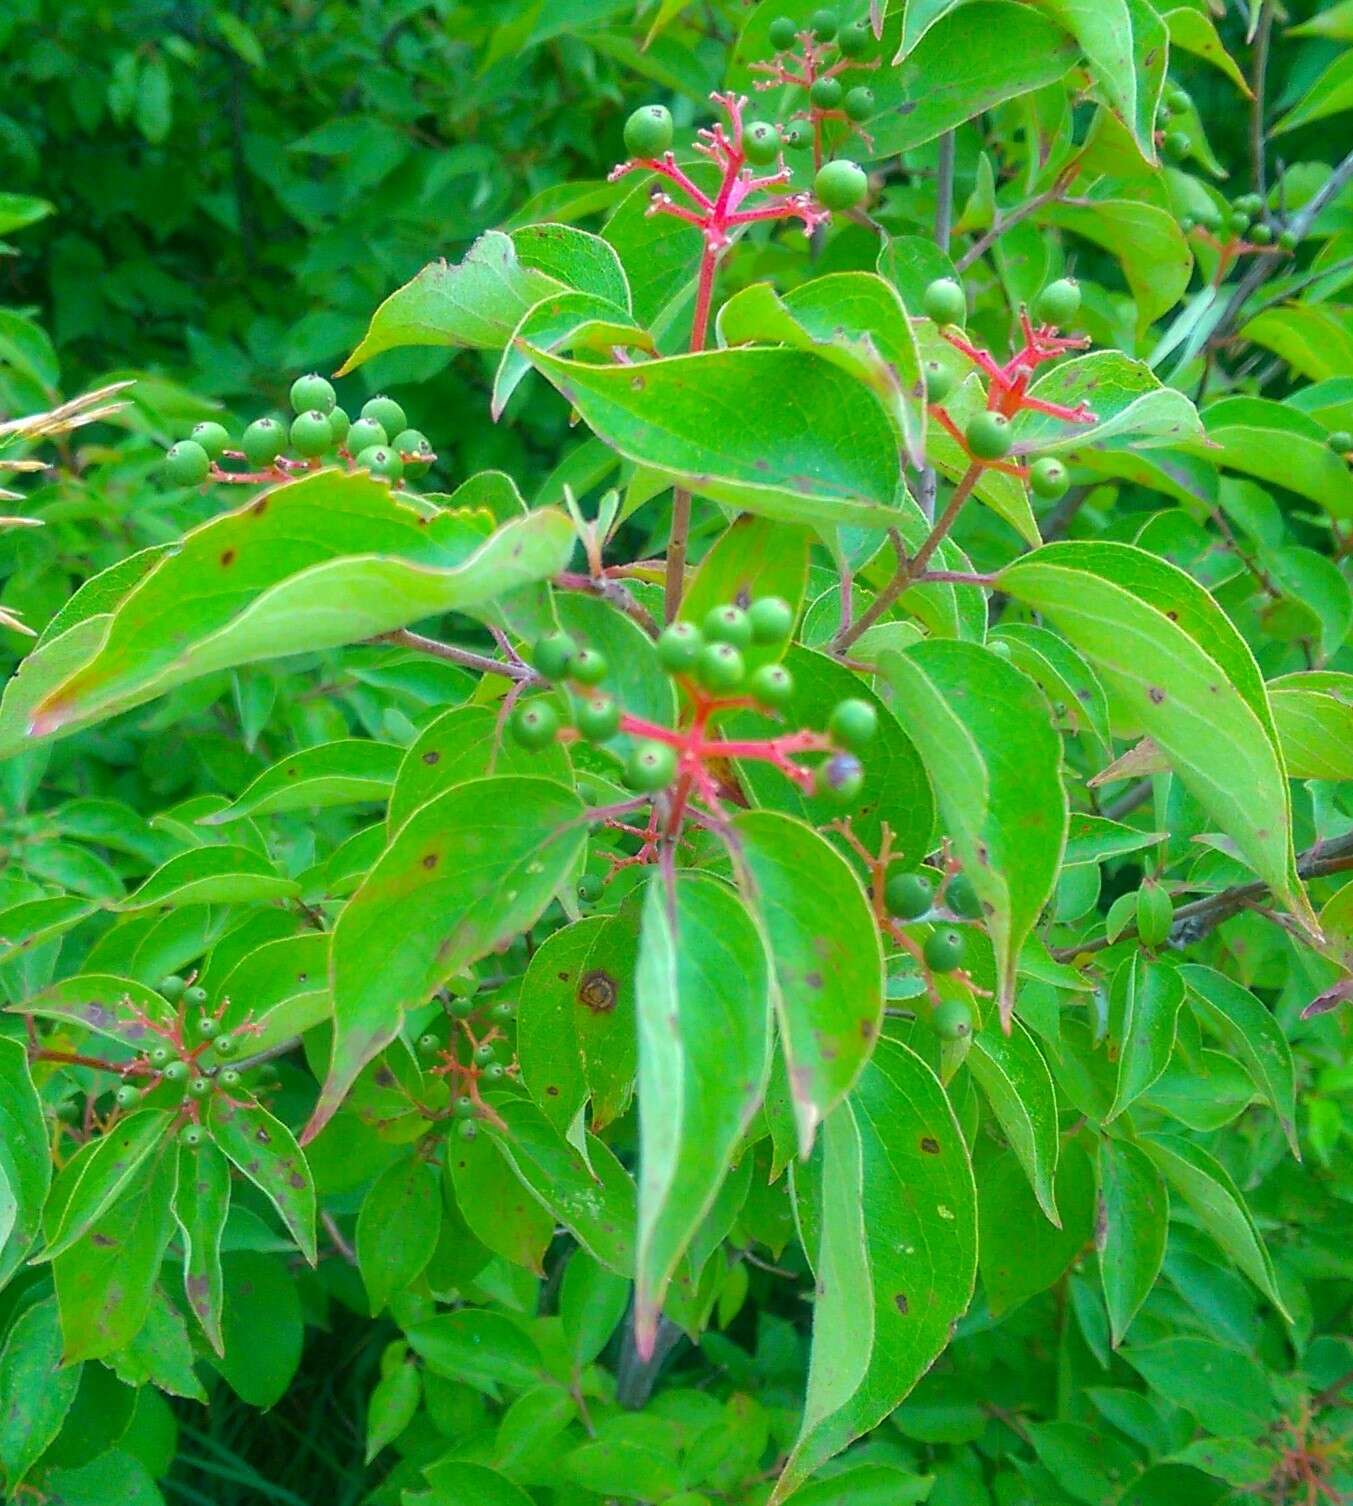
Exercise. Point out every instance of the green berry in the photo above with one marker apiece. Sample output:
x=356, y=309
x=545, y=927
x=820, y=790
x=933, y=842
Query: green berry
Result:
x=262, y=442
x=340, y=425
x=962, y=898
x=187, y=463
x=945, y=301
x=1251, y=203
x=191, y=1136
x=859, y=103
x=199, y=1087
x=590, y=888
x=229, y=1079
x=553, y=654
x=772, y=619
x=783, y=33
x=598, y=718
x=720, y=667
x=176, y=1072
x=952, y=1018
x=651, y=767
x=989, y=436
x=648, y=132
x=383, y=463
x=467, y=1129
x=171, y=988
x=465, y=1108
x=853, y=724
x=1287, y=239
x=208, y=1028
x=841, y=185
x=761, y=143
x=68, y=1112
x=1059, y=302
x=772, y=685
x=1177, y=145
x=1177, y=99
x=797, y=135
x=943, y=950
x=213, y=437
x=159, y=1056
x=495, y=1071
x=908, y=895
x=363, y=434
x=534, y=723
x=502, y=1012
x=1239, y=222
x=728, y=624
x=588, y=667
x=195, y=997
x=428, y=1045
x=839, y=779
x=484, y=1054
x=311, y=435
x=127, y=1097
x=1049, y=478
x=939, y=381
x=312, y=394
x=824, y=24
x=1340, y=441
x=855, y=40
x=462, y=1009
x=679, y=647
x=225, y=1045
x=1261, y=235
x=826, y=93
x=462, y=985
x=386, y=412
x=1209, y=217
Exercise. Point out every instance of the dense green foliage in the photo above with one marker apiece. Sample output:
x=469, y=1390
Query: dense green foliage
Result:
x=716, y=870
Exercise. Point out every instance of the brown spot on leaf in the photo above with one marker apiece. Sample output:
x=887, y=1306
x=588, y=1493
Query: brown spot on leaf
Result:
x=228, y=557
x=1155, y=694
x=901, y=1303
x=813, y=980
x=262, y=1136
x=432, y=756
x=868, y=1030
x=598, y=991
x=430, y=860
x=930, y=1145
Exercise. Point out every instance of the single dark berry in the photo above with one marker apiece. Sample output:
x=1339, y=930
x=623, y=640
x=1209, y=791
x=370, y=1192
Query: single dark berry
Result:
x=1340, y=441
x=176, y=1072
x=728, y=624
x=797, y=135
x=207, y=1028
x=943, y=950
x=853, y=724
x=1239, y=221
x=229, y=1079
x=1049, y=478
x=312, y=394
x=989, y=436
x=839, y=779
x=855, y=40
x=534, y=724
x=1177, y=145
x=824, y=24
x=213, y=437
x=590, y=888
x=311, y=435
x=720, y=667
x=648, y=132
x=588, y=667
x=200, y=1087
x=783, y=33
x=428, y=1045
x=859, y=103
x=772, y=685
x=952, y=1019
x=908, y=895
x=386, y=412
x=1287, y=239
x=195, y=997
x=171, y=988
x=127, y=1097
x=383, y=463
x=651, y=766
x=262, y=442
x=962, y=898
x=1261, y=234
x=187, y=463
x=225, y=1045
x=945, y=301
x=679, y=647
x=772, y=619
x=553, y=654
x=598, y=718
x=827, y=93
x=191, y=1136
x=761, y=143
x=939, y=381
x=465, y=1108
x=1059, y=302
x=841, y=185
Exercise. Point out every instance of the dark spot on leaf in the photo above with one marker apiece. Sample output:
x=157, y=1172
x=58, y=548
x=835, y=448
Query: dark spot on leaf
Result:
x=867, y=1030
x=637, y=383
x=385, y=1078
x=813, y=980
x=432, y=757
x=228, y=557
x=598, y=991
x=259, y=507
x=900, y=1301
x=563, y=977
x=1156, y=694
x=291, y=772
x=262, y=1136
x=552, y=1091
x=296, y=1180
x=930, y=1145
x=430, y=860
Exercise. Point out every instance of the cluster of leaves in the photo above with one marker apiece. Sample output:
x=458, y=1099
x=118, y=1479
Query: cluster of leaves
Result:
x=672, y=955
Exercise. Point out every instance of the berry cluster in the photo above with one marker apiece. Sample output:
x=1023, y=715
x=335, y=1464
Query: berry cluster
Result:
x=812, y=58
x=473, y=1053
x=379, y=441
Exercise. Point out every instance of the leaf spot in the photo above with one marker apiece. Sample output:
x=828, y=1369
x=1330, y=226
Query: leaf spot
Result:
x=598, y=991
x=930, y=1145
x=432, y=756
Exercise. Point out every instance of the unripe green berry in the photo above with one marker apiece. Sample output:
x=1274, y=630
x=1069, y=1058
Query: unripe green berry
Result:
x=386, y=412
x=225, y=1045
x=363, y=434
x=502, y=1012
x=720, y=667
x=952, y=1018
x=553, y=654
x=1251, y=203
x=465, y=1109
x=191, y=1136
x=908, y=895
x=410, y=443
x=988, y=436
x=1340, y=441
x=187, y=463
x=841, y=185
x=772, y=685
x=943, y=950
x=461, y=1009
x=339, y=427
x=962, y=898
x=839, y=779
x=1059, y=302
x=534, y=724
x=945, y=301
x=208, y=1028
x=651, y=766
x=939, y=381
x=171, y=988
x=195, y=997
x=311, y=435
x=826, y=93
x=598, y=718
x=229, y=1079
x=590, y=888
x=159, y=1056
x=484, y=1054
x=783, y=33
x=312, y=394
x=1049, y=478
x=495, y=1071
x=772, y=619
x=213, y=437
x=859, y=103
x=824, y=24
x=462, y=985
x=1261, y=234
x=1177, y=99
x=1287, y=239
x=853, y=724
x=728, y=624
x=679, y=647
x=797, y=135
x=1155, y=914
x=1177, y=145
x=467, y=1129
x=199, y=1087
x=761, y=143
x=588, y=667
x=428, y=1045
x=382, y=462
x=648, y=132
x=127, y=1097
x=1239, y=221
x=856, y=39
x=176, y=1073
x=262, y=442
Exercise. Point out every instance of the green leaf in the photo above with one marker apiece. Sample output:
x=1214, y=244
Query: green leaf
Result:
x=103, y=1174
x=1313, y=339
x=826, y=957
x=1018, y=1085
x=25, y=926
x=342, y=773
x=19, y=210
x=1130, y=405
x=1314, y=727
x=1330, y=94
x=564, y=321
x=983, y=732
x=212, y=876
x=1277, y=443
x=330, y=559
x=1071, y=686
x=161, y=1354
x=201, y=1203
x=896, y=1257
x=703, y=1002
x=119, y=1009
x=823, y=453
x=1131, y=1226
x=475, y=866
x=263, y=1327
x=1216, y=1202
x=622, y=1466
x=592, y=1301
x=398, y=1227
x=265, y=1150
x=1224, y=1388
x=281, y=987
x=477, y=1348
x=498, y=1208
x=393, y=1405
x=1144, y=1002
x=25, y=1158
x=457, y=1482
x=115, y=1474
x=36, y=1391
x=1193, y=31
x=1185, y=676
